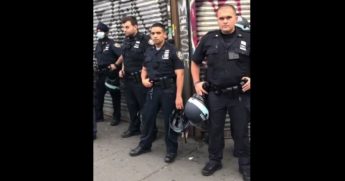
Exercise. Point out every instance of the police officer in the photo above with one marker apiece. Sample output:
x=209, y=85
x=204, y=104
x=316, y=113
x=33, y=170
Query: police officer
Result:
x=133, y=50
x=227, y=53
x=106, y=52
x=163, y=74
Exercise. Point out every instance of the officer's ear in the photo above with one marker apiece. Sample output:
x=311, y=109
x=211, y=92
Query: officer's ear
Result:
x=165, y=35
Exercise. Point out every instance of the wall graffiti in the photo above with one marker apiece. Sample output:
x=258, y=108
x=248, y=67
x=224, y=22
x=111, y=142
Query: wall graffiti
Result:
x=184, y=35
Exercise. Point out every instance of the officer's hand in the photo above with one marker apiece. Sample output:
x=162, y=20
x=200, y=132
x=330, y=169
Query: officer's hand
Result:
x=199, y=90
x=246, y=86
x=147, y=83
x=179, y=102
x=121, y=73
x=112, y=66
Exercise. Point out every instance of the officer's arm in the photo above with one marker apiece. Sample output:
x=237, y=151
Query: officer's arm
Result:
x=119, y=60
x=98, y=51
x=195, y=70
x=197, y=58
x=179, y=86
x=117, y=63
x=144, y=78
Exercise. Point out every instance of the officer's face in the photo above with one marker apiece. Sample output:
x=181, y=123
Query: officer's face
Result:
x=226, y=19
x=129, y=29
x=157, y=35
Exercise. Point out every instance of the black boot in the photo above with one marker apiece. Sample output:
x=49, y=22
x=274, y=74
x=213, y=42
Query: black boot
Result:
x=139, y=150
x=211, y=167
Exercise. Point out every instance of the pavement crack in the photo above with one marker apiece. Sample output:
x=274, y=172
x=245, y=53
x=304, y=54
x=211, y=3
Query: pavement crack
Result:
x=154, y=172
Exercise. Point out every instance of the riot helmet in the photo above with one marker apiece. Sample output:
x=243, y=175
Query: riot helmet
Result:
x=112, y=81
x=177, y=121
x=196, y=111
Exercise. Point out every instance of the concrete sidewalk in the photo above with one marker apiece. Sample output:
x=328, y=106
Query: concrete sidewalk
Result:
x=113, y=163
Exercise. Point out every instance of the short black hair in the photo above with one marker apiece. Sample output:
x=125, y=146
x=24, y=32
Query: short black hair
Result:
x=159, y=25
x=226, y=5
x=131, y=19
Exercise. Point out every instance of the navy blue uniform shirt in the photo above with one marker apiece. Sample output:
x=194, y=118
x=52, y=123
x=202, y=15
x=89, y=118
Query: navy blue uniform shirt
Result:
x=107, y=52
x=133, y=49
x=162, y=62
x=227, y=56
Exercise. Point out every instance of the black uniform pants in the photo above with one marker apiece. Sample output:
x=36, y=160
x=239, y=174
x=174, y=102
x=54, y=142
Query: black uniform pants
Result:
x=155, y=99
x=135, y=94
x=238, y=111
x=100, y=93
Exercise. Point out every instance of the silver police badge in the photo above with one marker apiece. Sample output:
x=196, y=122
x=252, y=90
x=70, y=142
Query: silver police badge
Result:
x=136, y=45
x=166, y=55
x=243, y=46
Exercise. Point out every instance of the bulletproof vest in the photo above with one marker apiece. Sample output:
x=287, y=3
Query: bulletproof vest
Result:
x=133, y=52
x=229, y=61
x=104, y=53
x=159, y=63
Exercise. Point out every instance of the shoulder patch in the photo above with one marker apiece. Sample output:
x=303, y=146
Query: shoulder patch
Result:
x=179, y=55
x=117, y=45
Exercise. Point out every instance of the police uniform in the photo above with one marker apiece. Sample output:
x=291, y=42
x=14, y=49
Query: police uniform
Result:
x=133, y=49
x=227, y=62
x=106, y=53
x=160, y=65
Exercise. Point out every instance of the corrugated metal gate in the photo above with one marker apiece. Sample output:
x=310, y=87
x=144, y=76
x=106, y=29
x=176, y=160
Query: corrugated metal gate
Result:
x=110, y=12
x=205, y=13
x=202, y=18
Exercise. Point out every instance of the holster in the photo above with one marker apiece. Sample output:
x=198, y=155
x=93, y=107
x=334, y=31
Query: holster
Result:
x=164, y=82
x=136, y=76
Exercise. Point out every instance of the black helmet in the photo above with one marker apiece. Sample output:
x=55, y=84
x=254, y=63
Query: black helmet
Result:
x=196, y=111
x=112, y=82
x=243, y=23
x=177, y=121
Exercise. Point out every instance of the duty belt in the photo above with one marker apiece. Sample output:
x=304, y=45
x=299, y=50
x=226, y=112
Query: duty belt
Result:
x=233, y=90
x=133, y=76
x=164, y=82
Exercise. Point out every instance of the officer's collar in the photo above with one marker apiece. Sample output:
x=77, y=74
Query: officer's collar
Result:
x=161, y=48
x=135, y=37
x=229, y=34
x=235, y=33
x=104, y=40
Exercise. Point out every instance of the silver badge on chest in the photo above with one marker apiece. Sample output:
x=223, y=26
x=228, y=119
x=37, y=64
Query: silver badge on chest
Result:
x=243, y=46
x=106, y=48
x=165, y=55
x=136, y=45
